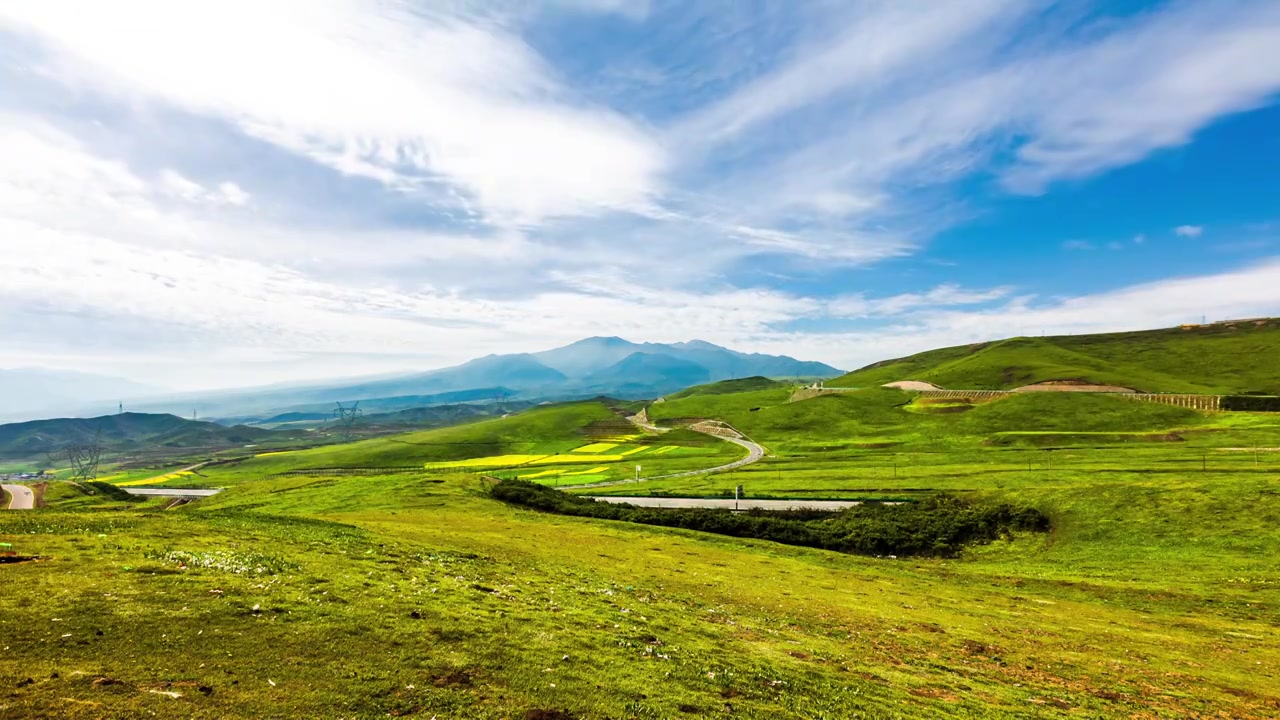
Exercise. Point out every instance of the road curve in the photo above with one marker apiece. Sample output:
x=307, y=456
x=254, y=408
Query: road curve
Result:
x=754, y=453
x=23, y=498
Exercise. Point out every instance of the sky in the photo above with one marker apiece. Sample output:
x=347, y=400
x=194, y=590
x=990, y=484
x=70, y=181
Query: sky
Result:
x=212, y=194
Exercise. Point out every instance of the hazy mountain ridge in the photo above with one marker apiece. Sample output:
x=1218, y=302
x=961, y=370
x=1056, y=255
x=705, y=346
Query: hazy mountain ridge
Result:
x=594, y=366
x=29, y=391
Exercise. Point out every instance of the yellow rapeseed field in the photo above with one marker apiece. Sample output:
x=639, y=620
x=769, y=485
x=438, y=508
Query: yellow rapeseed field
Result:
x=491, y=461
x=557, y=459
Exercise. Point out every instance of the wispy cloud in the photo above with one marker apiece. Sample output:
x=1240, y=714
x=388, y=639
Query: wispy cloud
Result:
x=404, y=95
x=973, y=96
x=416, y=184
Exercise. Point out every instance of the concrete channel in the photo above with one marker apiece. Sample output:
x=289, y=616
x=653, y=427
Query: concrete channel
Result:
x=729, y=503
x=173, y=492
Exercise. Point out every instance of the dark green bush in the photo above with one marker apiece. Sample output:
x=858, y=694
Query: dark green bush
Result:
x=1251, y=403
x=939, y=526
x=113, y=492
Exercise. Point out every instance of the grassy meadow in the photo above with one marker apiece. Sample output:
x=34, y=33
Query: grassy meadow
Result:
x=415, y=594
x=1215, y=359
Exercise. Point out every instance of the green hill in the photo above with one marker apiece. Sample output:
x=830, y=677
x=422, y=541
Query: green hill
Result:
x=125, y=431
x=875, y=416
x=547, y=429
x=725, y=387
x=1221, y=359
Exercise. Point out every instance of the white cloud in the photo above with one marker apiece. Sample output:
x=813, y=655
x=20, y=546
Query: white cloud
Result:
x=859, y=306
x=232, y=193
x=875, y=42
x=407, y=96
x=173, y=183
x=513, y=210
x=1077, y=245
x=1189, y=231
x=856, y=116
x=1245, y=293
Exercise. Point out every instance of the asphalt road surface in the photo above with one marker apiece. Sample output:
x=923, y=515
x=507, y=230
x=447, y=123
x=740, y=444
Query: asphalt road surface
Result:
x=23, y=498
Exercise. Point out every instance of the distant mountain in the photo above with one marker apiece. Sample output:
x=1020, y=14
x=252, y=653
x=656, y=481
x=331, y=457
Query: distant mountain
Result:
x=123, y=432
x=33, y=390
x=608, y=366
x=646, y=373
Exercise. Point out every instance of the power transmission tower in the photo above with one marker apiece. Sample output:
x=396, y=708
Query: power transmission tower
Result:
x=500, y=401
x=84, y=459
x=346, y=417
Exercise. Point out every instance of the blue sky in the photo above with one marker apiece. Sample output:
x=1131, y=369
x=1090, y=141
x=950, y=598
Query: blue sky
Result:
x=213, y=194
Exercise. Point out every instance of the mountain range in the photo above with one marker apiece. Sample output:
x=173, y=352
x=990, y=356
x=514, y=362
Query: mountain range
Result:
x=595, y=366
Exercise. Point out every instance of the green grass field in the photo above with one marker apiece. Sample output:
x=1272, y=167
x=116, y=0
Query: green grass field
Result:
x=1211, y=359
x=415, y=594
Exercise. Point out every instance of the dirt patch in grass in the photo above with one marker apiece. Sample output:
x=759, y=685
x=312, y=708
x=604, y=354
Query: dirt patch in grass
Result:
x=913, y=385
x=455, y=678
x=14, y=559
x=1073, y=386
x=541, y=714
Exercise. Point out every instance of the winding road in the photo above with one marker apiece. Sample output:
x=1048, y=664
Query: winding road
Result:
x=23, y=498
x=754, y=453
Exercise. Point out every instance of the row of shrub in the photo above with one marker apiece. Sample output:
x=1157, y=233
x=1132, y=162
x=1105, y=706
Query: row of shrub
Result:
x=115, y=493
x=940, y=526
x=1251, y=403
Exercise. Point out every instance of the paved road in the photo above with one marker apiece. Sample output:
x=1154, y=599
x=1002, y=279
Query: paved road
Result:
x=23, y=498
x=661, y=502
x=754, y=453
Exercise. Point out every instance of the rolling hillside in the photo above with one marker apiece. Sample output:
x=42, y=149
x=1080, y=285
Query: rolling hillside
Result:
x=726, y=387
x=126, y=431
x=1240, y=357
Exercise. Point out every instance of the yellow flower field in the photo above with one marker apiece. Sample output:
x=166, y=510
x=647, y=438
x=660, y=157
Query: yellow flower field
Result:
x=544, y=473
x=557, y=459
x=592, y=471
x=595, y=447
x=491, y=461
